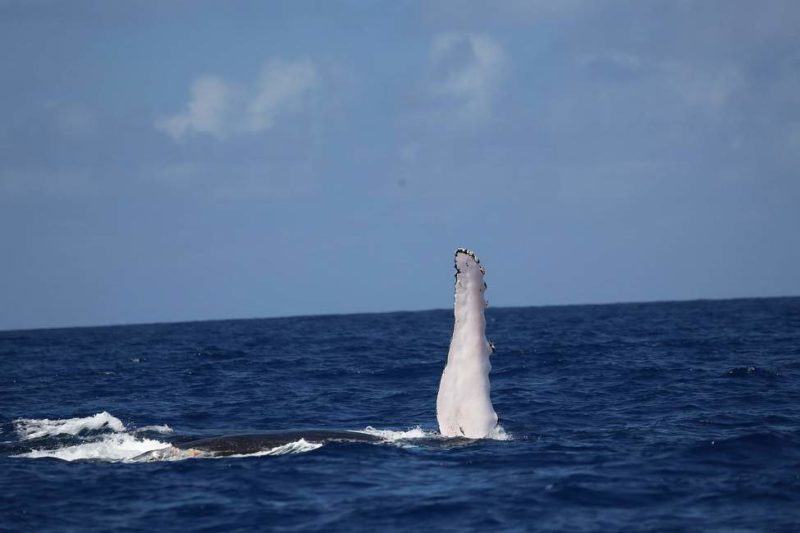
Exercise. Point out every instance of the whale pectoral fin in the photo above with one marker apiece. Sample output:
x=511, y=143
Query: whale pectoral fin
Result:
x=463, y=404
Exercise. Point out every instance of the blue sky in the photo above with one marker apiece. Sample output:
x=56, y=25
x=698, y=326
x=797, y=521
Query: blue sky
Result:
x=165, y=161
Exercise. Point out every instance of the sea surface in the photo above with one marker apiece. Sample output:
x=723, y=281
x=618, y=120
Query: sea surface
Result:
x=633, y=417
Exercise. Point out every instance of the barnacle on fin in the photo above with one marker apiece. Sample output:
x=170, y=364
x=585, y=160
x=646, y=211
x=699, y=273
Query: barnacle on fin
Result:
x=472, y=255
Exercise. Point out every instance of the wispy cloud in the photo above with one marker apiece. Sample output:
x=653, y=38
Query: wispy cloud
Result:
x=223, y=109
x=468, y=70
x=689, y=87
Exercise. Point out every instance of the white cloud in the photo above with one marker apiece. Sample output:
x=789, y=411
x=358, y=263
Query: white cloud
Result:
x=280, y=86
x=223, y=109
x=209, y=110
x=469, y=69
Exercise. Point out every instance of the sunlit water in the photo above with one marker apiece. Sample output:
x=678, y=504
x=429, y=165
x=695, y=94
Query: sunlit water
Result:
x=617, y=417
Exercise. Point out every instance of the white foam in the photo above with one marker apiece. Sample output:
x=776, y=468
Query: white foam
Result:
x=115, y=447
x=391, y=435
x=171, y=453
x=299, y=446
x=33, y=428
x=498, y=433
x=168, y=453
x=162, y=428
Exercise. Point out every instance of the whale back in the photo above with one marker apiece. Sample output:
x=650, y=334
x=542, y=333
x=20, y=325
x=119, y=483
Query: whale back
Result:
x=463, y=404
x=253, y=443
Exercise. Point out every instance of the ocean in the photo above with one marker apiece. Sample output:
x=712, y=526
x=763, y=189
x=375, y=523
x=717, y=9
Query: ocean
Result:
x=681, y=416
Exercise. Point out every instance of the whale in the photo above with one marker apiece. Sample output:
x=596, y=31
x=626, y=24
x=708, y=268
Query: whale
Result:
x=463, y=404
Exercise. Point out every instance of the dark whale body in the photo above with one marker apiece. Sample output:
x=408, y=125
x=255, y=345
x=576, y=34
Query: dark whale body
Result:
x=246, y=444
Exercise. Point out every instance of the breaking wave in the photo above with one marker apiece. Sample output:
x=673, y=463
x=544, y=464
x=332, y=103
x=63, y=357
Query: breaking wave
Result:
x=35, y=428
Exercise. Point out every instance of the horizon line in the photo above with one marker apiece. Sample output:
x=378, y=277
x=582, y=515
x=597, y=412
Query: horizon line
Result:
x=359, y=313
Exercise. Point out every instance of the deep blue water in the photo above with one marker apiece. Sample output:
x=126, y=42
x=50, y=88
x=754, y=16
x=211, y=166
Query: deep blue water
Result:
x=660, y=416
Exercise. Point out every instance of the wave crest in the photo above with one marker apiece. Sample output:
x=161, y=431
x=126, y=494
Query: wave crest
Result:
x=34, y=428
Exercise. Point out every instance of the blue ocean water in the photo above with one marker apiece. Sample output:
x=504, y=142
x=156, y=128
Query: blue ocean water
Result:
x=630, y=417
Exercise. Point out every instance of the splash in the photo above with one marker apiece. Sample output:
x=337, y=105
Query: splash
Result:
x=115, y=447
x=103, y=437
x=391, y=435
x=299, y=446
x=34, y=428
x=498, y=433
x=161, y=428
x=168, y=453
x=418, y=433
x=171, y=453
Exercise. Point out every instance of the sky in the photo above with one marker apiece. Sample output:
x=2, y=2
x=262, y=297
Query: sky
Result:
x=171, y=161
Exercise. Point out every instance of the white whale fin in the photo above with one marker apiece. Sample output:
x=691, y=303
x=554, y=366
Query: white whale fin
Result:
x=463, y=405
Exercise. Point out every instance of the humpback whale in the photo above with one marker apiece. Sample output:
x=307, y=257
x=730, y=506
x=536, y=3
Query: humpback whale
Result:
x=463, y=404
